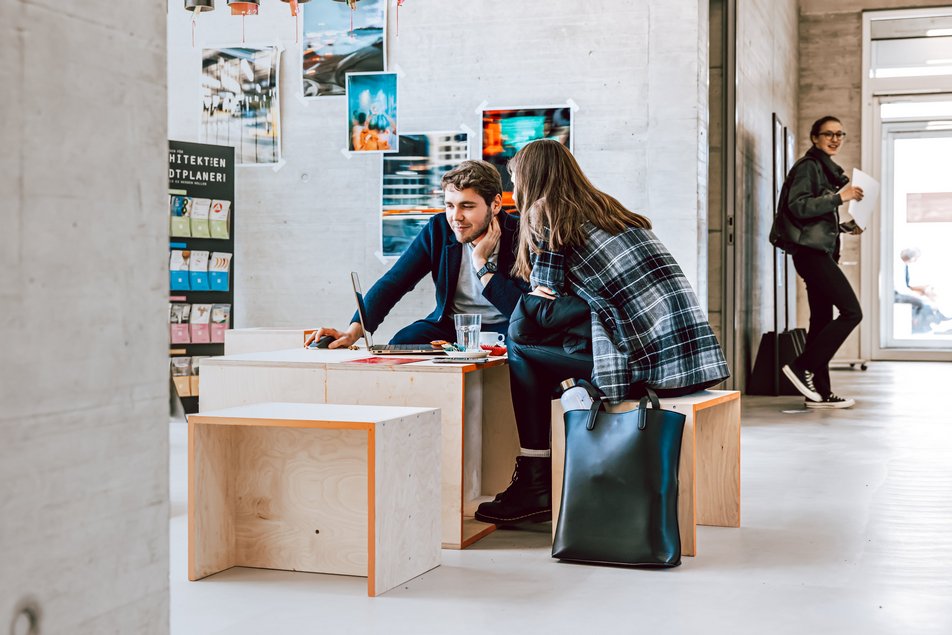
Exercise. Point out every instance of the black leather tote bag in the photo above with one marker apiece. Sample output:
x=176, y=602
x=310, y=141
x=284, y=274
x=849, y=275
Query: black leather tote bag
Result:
x=620, y=486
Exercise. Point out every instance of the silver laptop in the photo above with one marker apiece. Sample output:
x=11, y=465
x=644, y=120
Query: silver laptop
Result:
x=386, y=349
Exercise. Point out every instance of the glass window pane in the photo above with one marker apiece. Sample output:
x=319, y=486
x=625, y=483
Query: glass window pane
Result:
x=911, y=57
x=916, y=110
x=922, y=232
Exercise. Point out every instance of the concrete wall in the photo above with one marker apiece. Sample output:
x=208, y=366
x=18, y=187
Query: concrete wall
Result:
x=638, y=72
x=831, y=82
x=83, y=251
x=766, y=77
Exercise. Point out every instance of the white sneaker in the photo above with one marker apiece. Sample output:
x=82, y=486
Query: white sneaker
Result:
x=832, y=401
x=803, y=381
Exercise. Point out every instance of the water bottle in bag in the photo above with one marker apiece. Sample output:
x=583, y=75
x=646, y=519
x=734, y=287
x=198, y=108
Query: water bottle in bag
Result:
x=575, y=396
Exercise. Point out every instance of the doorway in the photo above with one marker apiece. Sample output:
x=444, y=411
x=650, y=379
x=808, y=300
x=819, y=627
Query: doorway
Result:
x=915, y=311
x=721, y=297
x=907, y=139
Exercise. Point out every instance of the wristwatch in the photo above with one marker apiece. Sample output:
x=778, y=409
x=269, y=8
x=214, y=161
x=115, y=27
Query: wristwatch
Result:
x=489, y=267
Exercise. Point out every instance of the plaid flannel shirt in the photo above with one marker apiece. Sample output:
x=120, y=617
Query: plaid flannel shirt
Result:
x=647, y=325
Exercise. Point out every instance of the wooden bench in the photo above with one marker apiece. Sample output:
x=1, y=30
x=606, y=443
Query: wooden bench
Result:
x=352, y=490
x=709, y=470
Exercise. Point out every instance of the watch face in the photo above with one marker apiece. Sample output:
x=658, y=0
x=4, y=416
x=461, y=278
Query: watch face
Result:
x=491, y=267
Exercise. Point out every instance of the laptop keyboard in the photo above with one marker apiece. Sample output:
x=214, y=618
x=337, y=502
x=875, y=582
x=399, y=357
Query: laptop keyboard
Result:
x=404, y=347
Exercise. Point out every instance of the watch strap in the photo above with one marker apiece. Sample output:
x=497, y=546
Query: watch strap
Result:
x=489, y=267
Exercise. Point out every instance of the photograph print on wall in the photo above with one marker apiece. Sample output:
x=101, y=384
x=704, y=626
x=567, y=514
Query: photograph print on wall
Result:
x=372, y=112
x=412, y=191
x=338, y=40
x=507, y=130
x=240, y=106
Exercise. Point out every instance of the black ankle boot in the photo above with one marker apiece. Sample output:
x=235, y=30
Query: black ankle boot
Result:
x=528, y=497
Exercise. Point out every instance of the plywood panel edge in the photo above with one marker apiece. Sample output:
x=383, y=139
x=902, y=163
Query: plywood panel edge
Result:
x=407, y=499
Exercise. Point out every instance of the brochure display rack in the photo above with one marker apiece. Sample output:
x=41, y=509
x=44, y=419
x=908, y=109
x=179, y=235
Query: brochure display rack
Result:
x=201, y=263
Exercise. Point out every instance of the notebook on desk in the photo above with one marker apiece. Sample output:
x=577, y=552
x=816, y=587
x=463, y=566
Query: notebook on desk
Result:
x=385, y=349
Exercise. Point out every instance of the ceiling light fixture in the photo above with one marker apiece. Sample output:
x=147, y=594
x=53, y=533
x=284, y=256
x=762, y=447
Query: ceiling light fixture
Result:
x=196, y=7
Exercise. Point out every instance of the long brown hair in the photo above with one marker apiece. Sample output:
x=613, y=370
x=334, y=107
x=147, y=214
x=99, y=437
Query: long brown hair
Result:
x=555, y=199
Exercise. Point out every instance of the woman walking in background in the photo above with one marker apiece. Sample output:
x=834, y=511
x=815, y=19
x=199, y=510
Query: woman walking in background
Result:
x=808, y=227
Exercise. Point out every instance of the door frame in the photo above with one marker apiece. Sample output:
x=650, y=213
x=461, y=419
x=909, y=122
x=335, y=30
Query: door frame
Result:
x=877, y=91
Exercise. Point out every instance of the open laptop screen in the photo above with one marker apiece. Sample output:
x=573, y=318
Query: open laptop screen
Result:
x=361, y=309
x=385, y=349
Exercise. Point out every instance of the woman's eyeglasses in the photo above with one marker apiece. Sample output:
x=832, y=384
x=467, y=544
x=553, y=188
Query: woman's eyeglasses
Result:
x=833, y=135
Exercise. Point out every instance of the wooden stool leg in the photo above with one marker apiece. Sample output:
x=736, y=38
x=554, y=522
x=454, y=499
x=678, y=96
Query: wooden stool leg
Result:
x=718, y=465
x=687, y=491
x=211, y=514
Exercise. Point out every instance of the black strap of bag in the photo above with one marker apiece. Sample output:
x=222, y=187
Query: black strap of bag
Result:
x=598, y=401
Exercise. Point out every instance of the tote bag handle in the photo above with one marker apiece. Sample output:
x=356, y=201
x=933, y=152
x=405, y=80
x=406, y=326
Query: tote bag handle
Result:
x=598, y=403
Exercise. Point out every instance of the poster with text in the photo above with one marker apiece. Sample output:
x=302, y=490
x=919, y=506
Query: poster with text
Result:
x=372, y=112
x=240, y=106
x=338, y=40
x=412, y=192
x=507, y=130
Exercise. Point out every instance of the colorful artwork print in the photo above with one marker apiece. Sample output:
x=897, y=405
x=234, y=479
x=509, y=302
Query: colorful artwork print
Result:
x=372, y=112
x=412, y=193
x=240, y=106
x=506, y=131
x=339, y=40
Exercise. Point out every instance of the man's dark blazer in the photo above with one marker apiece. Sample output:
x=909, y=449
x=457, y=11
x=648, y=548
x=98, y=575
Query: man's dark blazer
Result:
x=437, y=252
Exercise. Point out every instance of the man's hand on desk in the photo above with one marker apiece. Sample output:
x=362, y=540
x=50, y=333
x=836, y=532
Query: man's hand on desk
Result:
x=342, y=339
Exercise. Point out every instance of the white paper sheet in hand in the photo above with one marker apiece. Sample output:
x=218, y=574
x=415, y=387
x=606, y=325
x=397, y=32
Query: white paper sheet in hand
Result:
x=862, y=211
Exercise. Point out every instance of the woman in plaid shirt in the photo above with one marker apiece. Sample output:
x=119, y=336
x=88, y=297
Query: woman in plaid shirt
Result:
x=647, y=326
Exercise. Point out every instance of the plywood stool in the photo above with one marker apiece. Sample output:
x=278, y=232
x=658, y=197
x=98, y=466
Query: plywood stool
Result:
x=351, y=490
x=709, y=469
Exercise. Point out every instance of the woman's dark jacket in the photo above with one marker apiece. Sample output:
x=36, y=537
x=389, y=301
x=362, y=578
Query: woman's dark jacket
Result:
x=807, y=215
x=567, y=320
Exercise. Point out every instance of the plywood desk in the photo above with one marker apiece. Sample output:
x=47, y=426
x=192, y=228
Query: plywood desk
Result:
x=479, y=439
x=261, y=339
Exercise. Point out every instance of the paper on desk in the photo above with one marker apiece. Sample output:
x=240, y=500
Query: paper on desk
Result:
x=863, y=211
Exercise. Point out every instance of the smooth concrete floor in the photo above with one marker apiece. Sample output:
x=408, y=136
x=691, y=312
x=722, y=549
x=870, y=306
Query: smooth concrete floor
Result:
x=846, y=528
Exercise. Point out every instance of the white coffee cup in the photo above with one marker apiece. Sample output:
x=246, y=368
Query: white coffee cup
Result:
x=492, y=339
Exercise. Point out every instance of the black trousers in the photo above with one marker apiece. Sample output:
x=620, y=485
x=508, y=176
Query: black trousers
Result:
x=535, y=373
x=827, y=287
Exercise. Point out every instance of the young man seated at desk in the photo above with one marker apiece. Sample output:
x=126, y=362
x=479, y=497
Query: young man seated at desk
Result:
x=468, y=251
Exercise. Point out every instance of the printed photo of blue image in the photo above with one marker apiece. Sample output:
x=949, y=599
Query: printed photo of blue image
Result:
x=519, y=131
x=412, y=192
x=372, y=112
x=507, y=130
x=339, y=40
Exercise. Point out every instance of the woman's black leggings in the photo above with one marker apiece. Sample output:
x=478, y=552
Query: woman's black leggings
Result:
x=534, y=374
x=827, y=287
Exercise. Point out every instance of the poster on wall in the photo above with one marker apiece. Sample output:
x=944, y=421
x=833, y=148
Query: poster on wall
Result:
x=240, y=106
x=338, y=40
x=372, y=112
x=507, y=130
x=411, y=192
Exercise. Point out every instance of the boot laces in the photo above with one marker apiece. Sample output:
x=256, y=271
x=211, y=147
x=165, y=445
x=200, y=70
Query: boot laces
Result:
x=512, y=481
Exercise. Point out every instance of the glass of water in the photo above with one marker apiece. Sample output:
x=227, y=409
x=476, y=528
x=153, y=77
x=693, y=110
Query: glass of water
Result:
x=467, y=330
